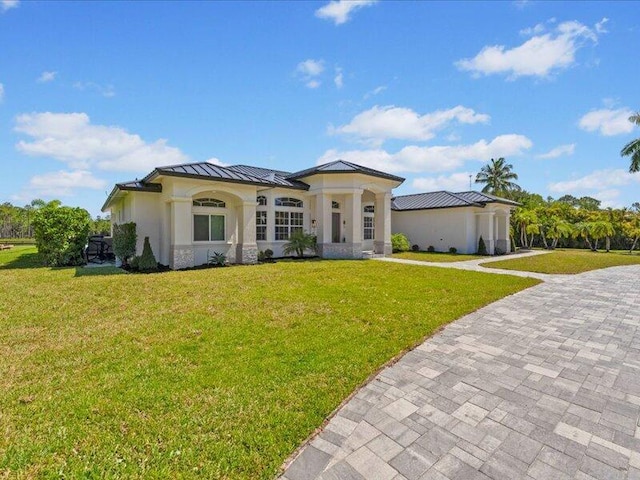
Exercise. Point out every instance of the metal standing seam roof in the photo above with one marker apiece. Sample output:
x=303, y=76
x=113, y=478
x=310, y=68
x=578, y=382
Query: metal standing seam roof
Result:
x=444, y=199
x=228, y=174
x=342, y=166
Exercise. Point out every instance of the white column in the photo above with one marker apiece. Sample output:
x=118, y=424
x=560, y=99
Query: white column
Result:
x=246, y=248
x=382, y=219
x=353, y=217
x=323, y=218
x=181, y=253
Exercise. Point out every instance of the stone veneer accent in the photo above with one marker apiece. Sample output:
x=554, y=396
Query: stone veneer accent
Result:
x=182, y=256
x=340, y=250
x=246, y=254
x=382, y=247
x=502, y=245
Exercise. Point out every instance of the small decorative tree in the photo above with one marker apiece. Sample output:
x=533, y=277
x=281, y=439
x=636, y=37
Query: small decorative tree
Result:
x=61, y=234
x=400, y=243
x=147, y=262
x=299, y=242
x=482, y=248
x=124, y=241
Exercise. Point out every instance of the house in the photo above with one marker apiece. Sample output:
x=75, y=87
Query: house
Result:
x=190, y=211
x=447, y=220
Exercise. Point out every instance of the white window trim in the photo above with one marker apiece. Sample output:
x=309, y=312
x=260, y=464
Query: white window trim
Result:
x=289, y=210
x=209, y=213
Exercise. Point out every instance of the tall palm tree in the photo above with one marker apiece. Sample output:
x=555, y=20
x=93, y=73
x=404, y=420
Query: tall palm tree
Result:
x=498, y=177
x=632, y=149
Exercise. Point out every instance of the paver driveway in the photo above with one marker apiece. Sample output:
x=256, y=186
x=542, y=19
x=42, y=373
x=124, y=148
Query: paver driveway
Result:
x=544, y=384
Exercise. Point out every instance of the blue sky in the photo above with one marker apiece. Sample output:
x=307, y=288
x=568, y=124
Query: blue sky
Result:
x=96, y=93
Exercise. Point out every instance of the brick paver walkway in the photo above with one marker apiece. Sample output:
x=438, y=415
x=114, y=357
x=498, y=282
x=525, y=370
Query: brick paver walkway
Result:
x=544, y=384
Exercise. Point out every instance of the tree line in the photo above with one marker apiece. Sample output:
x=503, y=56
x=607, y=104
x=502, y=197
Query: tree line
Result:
x=17, y=222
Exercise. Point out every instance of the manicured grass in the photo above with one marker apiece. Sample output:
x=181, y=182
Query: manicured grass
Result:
x=216, y=373
x=17, y=241
x=435, y=256
x=567, y=261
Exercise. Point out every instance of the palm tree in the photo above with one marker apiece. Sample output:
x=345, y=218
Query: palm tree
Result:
x=498, y=178
x=632, y=149
x=300, y=241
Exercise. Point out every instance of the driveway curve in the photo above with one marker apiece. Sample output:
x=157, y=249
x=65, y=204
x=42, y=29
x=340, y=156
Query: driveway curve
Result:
x=543, y=384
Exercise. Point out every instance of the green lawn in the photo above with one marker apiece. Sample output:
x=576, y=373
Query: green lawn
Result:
x=217, y=373
x=567, y=261
x=435, y=256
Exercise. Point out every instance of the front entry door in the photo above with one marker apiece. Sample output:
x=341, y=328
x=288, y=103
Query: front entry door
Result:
x=335, y=227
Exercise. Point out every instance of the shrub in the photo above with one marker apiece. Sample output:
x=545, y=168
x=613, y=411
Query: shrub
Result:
x=218, y=259
x=431, y=249
x=265, y=255
x=61, y=234
x=134, y=262
x=300, y=241
x=453, y=250
x=415, y=248
x=482, y=248
x=147, y=261
x=399, y=242
x=124, y=241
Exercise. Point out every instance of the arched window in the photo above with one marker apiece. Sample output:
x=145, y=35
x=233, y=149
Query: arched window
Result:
x=369, y=209
x=335, y=205
x=262, y=200
x=288, y=202
x=209, y=202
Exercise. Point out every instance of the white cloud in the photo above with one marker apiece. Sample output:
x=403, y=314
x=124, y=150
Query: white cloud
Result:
x=338, y=79
x=107, y=91
x=559, y=151
x=72, y=139
x=47, y=77
x=63, y=183
x=217, y=161
x=432, y=159
x=1, y=92
x=309, y=71
x=607, y=121
x=456, y=182
x=598, y=180
x=381, y=123
x=375, y=91
x=535, y=30
x=339, y=10
x=600, y=26
x=540, y=56
x=8, y=4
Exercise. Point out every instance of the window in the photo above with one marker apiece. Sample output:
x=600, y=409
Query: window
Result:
x=287, y=223
x=208, y=228
x=368, y=227
x=369, y=209
x=261, y=225
x=335, y=205
x=262, y=200
x=288, y=202
x=208, y=202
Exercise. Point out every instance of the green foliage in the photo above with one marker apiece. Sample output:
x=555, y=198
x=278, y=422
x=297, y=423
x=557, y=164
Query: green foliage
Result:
x=217, y=259
x=498, y=178
x=61, y=234
x=134, y=262
x=124, y=241
x=101, y=226
x=453, y=250
x=415, y=248
x=265, y=255
x=400, y=243
x=632, y=149
x=431, y=249
x=147, y=262
x=482, y=247
x=299, y=242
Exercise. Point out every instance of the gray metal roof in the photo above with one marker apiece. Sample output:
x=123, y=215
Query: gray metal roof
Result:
x=209, y=171
x=486, y=198
x=444, y=199
x=342, y=166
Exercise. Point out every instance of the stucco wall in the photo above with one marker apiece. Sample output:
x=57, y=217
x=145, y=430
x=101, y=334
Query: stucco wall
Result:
x=442, y=228
x=146, y=214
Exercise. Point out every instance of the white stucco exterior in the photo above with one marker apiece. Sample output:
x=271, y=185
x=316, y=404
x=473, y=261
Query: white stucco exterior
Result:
x=459, y=227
